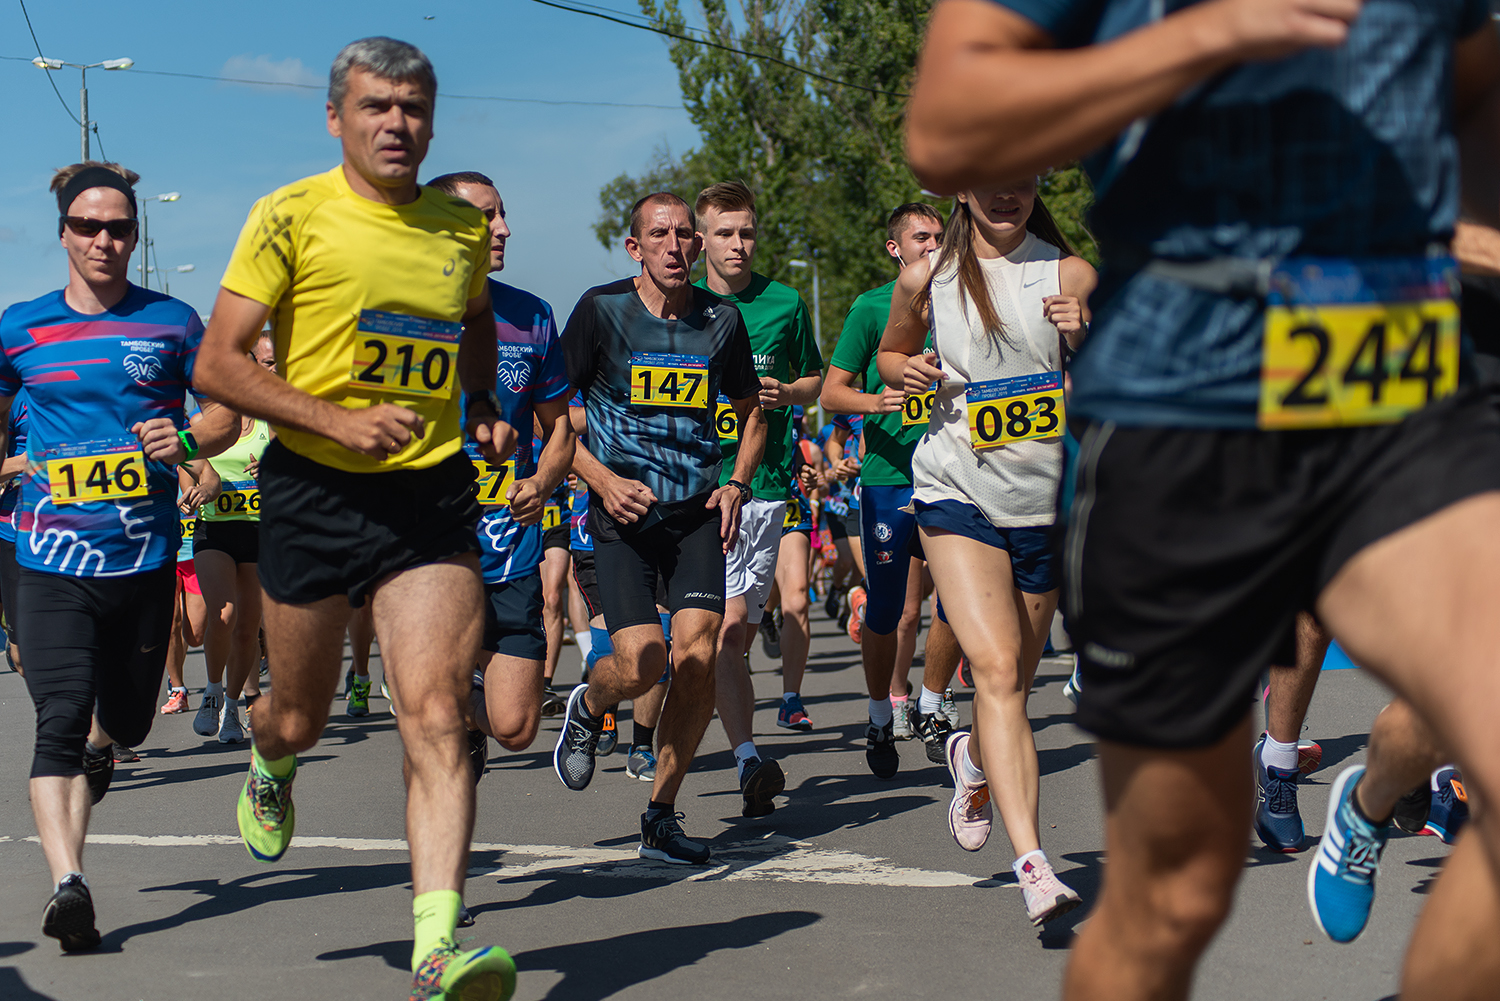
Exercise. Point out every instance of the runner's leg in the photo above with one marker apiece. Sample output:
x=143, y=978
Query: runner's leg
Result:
x=1292, y=687
x=306, y=647
x=796, y=627
x=555, y=576
x=686, y=715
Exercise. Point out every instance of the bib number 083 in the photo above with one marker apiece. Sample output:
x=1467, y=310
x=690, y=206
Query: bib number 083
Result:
x=1024, y=408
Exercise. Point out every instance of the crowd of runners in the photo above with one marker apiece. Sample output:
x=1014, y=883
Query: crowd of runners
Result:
x=1268, y=422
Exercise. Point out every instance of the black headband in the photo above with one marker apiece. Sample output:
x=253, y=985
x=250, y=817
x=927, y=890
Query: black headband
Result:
x=93, y=177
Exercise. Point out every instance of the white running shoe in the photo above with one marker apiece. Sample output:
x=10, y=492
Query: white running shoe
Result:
x=948, y=708
x=901, y=719
x=1047, y=897
x=970, y=815
x=231, y=730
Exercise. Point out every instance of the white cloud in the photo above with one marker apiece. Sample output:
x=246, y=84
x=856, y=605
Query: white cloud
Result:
x=264, y=69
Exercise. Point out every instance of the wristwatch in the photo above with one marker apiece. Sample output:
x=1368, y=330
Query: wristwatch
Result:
x=744, y=490
x=189, y=444
x=480, y=396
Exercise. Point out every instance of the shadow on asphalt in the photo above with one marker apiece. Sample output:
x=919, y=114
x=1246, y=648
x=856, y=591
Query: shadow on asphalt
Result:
x=142, y=776
x=8, y=949
x=1337, y=749
x=14, y=988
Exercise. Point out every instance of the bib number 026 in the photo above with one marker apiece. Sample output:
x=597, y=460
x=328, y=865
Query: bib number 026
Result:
x=1023, y=408
x=80, y=479
x=239, y=498
x=666, y=380
x=405, y=356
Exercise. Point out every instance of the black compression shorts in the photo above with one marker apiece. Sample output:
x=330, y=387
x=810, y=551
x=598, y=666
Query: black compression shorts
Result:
x=10, y=572
x=681, y=549
x=239, y=540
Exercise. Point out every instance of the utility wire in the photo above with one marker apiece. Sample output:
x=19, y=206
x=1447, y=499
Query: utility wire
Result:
x=49, y=72
x=719, y=45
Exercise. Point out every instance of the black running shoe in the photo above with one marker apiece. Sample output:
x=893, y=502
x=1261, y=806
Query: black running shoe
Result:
x=123, y=755
x=760, y=783
x=69, y=915
x=553, y=703
x=662, y=839
x=832, y=603
x=479, y=753
x=880, y=753
x=573, y=757
x=770, y=637
x=933, y=729
x=99, y=769
x=1413, y=808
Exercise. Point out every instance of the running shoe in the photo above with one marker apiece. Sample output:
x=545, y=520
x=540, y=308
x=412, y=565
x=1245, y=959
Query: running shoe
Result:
x=1341, y=879
x=177, y=702
x=465, y=919
x=553, y=703
x=1412, y=810
x=99, y=770
x=609, y=735
x=965, y=673
x=662, y=839
x=249, y=705
x=230, y=729
x=573, y=757
x=934, y=730
x=1073, y=685
x=359, y=697
x=349, y=681
x=266, y=814
x=122, y=755
x=206, y=723
x=640, y=763
x=770, y=637
x=761, y=781
x=487, y=974
x=880, y=751
x=479, y=753
x=1277, y=820
x=857, y=601
x=949, y=708
x=901, y=714
x=1046, y=896
x=832, y=603
x=568, y=639
x=970, y=814
x=69, y=915
x=791, y=715
x=1309, y=756
x=1449, y=809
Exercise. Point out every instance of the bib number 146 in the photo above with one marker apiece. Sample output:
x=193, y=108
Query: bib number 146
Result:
x=84, y=478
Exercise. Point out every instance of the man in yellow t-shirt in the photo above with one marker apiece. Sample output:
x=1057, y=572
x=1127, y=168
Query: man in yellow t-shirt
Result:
x=375, y=291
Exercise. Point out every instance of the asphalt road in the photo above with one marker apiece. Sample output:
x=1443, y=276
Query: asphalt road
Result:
x=853, y=888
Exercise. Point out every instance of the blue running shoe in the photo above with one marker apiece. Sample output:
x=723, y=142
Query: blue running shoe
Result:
x=1449, y=810
x=1341, y=879
x=1277, y=820
x=791, y=715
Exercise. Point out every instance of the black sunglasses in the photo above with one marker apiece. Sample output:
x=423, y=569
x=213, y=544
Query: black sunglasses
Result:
x=119, y=229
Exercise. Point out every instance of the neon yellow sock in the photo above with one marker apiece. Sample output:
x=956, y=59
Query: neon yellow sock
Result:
x=278, y=769
x=436, y=918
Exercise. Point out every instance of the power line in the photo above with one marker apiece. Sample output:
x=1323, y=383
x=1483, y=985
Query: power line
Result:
x=43, y=55
x=719, y=45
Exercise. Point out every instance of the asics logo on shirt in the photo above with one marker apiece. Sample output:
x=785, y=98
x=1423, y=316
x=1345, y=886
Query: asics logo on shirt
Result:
x=448, y=268
x=143, y=369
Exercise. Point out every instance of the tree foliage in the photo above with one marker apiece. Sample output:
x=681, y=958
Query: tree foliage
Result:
x=826, y=160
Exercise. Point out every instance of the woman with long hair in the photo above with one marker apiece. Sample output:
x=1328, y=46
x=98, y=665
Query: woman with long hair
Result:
x=1006, y=297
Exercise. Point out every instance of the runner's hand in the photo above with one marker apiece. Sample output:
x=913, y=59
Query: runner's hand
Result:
x=774, y=394
x=496, y=438
x=890, y=401
x=727, y=500
x=159, y=440
x=195, y=497
x=526, y=501
x=1065, y=313
x=252, y=469
x=1271, y=29
x=810, y=478
x=921, y=373
x=625, y=500
x=379, y=431
x=846, y=468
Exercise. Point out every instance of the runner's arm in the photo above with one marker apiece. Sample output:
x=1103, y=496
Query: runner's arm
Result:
x=1069, y=311
x=478, y=358
x=12, y=467
x=1476, y=88
x=728, y=499
x=774, y=394
x=901, y=360
x=623, y=499
x=990, y=105
x=840, y=396
x=528, y=497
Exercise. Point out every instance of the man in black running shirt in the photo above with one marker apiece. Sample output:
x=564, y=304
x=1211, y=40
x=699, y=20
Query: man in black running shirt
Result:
x=651, y=355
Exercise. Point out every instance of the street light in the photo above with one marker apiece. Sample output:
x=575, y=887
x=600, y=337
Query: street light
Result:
x=170, y=196
x=42, y=62
x=181, y=269
x=817, y=312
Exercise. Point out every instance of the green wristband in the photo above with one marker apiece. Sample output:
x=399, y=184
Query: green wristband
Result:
x=189, y=444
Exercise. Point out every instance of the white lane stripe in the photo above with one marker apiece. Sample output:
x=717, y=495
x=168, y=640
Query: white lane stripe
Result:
x=774, y=858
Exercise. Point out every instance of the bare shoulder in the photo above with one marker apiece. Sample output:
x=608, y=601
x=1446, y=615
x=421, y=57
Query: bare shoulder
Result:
x=1077, y=277
x=914, y=277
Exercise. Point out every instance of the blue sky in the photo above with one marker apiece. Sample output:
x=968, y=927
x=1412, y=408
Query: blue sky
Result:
x=224, y=145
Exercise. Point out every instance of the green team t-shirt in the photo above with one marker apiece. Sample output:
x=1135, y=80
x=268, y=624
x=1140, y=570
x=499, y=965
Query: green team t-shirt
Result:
x=888, y=445
x=781, y=339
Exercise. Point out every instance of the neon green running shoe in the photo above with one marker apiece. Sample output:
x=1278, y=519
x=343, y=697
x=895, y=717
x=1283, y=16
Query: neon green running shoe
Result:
x=267, y=815
x=359, y=697
x=487, y=974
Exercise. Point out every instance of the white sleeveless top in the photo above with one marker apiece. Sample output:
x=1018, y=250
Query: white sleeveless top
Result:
x=1014, y=486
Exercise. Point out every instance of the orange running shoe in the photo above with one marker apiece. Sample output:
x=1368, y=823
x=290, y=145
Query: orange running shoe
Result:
x=857, y=600
x=177, y=702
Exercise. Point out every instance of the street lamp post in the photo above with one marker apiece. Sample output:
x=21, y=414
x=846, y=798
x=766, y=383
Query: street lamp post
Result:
x=181, y=269
x=83, y=92
x=817, y=311
x=170, y=196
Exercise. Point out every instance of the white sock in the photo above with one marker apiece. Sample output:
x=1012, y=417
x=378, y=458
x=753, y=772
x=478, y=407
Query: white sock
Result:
x=233, y=703
x=881, y=712
x=929, y=702
x=585, y=641
x=968, y=771
x=744, y=753
x=1038, y=857
x=176, y=688
x=214, y=689
x=1275, y=754
x=787, y=695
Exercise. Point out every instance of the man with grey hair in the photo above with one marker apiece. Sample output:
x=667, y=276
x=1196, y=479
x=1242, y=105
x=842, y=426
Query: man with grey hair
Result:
x=376, y=294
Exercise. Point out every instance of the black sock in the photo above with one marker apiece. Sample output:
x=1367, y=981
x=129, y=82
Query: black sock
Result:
x=655, y=809
x=642, y=736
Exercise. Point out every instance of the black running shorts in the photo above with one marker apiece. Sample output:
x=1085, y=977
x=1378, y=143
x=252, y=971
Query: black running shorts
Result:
x=587, y=580
x=325, y=532
x=239, y=540
x=513, y=618
x=681, y=549
x=1189, y=552
x=10, y=572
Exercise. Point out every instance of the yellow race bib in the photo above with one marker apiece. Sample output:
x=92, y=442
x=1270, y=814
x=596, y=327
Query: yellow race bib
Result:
x=793, y=516
x=95, y=471
x=494, y=481
x=1355, y=342
x=551, y=517
x=1022, y=408
x=239, y=497
x=917, y=409
x=404, y=356
x=667, y=380
x=726, y=420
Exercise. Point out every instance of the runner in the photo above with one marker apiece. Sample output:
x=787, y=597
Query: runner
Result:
x=225, y=553
x=891, y=613
x=843, y=463
x=793, y=563
x=1281, y=758
x=985, y=321
x=651, y=355
x=105, y=366
x=1362, y=113
x=10, y=571
x=791, y=372
x=376, y=292
x=532, y=384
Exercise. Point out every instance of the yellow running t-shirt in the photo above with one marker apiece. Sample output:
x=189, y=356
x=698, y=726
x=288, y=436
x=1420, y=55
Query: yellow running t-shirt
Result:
x=366, y=301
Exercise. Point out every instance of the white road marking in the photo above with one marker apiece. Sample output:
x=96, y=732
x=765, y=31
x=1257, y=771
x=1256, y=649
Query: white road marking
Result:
x=773, y=858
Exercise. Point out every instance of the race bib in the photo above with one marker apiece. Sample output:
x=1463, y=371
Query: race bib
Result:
x=726, y=420
x=1022, y=408
x=239, y=497
x=401, y=355
x=97, y=471
x=189, y=531
x=793, y=516
x=917, y=409
x=494, y=480
x=1353, y=342
x=551, y=517
x=663, y=380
